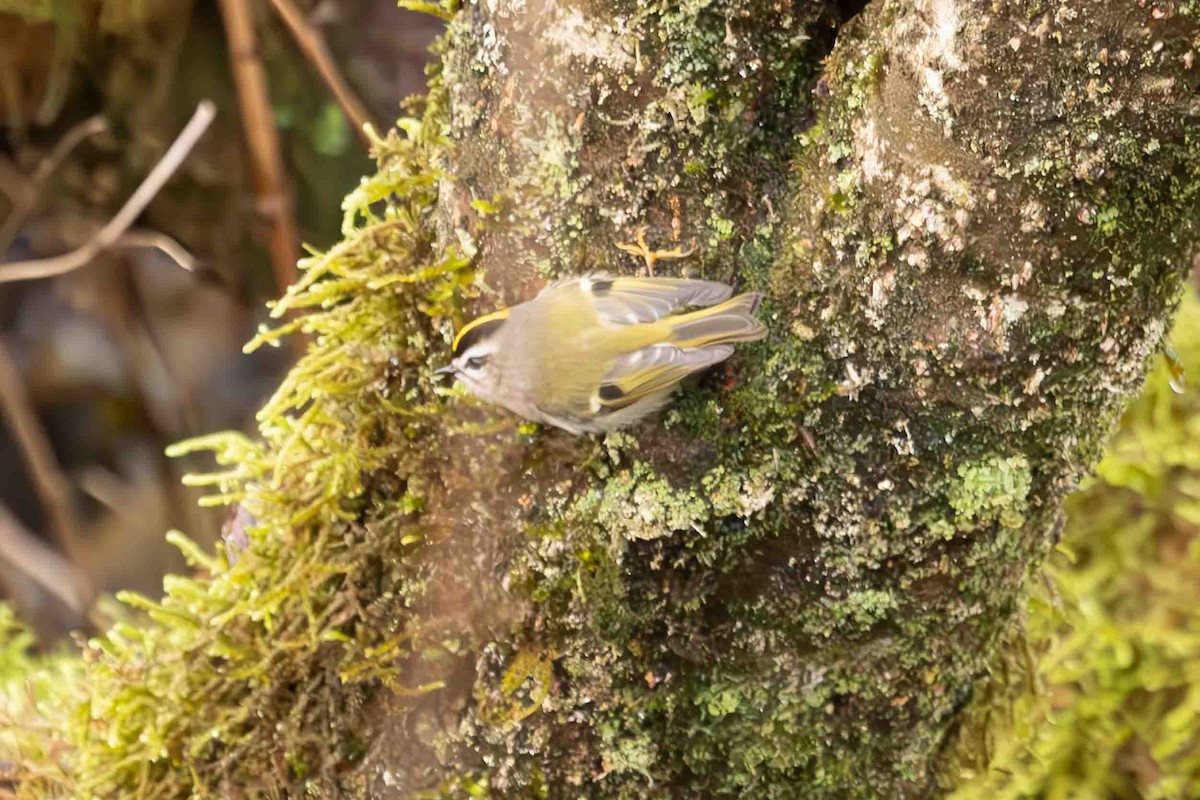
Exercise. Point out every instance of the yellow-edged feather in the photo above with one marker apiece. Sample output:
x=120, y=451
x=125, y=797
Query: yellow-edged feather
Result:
x=643, y=384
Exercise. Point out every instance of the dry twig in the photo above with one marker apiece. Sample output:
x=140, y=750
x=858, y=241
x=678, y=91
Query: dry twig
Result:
x=115, y=233
x=48, y=478
x=21, y=550
x=27, y=199
x=312, y=44
x=262, y=137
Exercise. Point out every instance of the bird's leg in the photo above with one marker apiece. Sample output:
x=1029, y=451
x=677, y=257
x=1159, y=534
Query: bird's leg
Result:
x=642, y=250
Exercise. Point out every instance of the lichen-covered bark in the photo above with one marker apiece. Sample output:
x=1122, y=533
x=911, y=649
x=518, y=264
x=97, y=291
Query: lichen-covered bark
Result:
x=970, y=223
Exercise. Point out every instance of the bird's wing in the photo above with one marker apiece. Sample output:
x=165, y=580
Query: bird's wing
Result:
x=643, y=373
x=633, y=300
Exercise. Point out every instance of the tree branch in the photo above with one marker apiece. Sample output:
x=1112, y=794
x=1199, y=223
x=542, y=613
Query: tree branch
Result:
x=965, y=276
x=312, y=44
x=50, y=482
x=24, y=203
x=116, y=230
x=22, y=551
x=273, y=200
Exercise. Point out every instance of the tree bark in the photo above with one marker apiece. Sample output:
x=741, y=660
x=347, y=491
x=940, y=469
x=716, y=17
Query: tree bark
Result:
x=970, y=219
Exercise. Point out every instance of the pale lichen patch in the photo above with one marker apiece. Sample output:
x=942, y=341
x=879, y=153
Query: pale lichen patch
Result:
x=583, y=37
x=871, y=152
x=944, y=32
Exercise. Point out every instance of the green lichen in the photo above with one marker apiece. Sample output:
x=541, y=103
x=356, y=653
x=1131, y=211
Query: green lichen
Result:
x=862, y=609
x=1097, y=692
x=992, y=489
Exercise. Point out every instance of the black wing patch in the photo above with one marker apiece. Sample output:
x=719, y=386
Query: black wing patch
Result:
x=610, y=392
x=639, y=375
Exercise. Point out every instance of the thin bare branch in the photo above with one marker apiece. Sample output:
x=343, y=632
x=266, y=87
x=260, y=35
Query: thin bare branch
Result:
x=262, y=138
x=312, y=44
x=162, y=172
x=48, y=478
x=23, y=551
x=156, y=240
x=12, y=181
x=49, y=267
x=81, y=257
x=92, y=126
x=27, y=199
x=116, y=228
x=109, y=490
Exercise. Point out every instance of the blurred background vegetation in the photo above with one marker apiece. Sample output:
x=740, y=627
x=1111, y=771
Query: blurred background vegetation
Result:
x=101, y=369
x=1095, y=695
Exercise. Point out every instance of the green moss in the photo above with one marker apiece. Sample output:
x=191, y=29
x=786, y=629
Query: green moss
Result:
x=992, y=489
x=36, y=689
x=862, y=609
x=625, y=752
x=256, y=674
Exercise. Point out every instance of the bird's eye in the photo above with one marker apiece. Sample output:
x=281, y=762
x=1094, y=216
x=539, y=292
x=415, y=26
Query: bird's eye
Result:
x=476, y=362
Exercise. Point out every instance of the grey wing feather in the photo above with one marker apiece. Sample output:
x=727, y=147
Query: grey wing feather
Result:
x=630, y=414
x=634, y=300
x=668, y=356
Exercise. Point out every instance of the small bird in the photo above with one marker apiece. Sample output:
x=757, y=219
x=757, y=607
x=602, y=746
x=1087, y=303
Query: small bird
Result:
x=593, y=354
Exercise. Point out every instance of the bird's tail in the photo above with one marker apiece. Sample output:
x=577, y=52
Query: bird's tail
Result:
x=731, y=321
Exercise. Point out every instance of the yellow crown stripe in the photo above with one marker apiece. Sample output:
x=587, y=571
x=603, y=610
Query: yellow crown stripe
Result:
x=475, y=323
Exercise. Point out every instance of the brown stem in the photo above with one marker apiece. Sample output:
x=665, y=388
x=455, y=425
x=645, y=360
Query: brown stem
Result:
x=262, y=138
x=49, y=481
x=48, y=166
x=22, y=551
x=113, y=232
x=312, y=44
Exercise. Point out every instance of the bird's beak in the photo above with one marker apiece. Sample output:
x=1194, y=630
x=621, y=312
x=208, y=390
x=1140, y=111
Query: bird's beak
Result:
x=446, y=370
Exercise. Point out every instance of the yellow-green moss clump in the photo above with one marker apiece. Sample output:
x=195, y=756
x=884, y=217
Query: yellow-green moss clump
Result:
x=250, y=678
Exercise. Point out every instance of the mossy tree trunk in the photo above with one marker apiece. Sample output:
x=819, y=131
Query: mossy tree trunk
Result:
x=970, y=221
